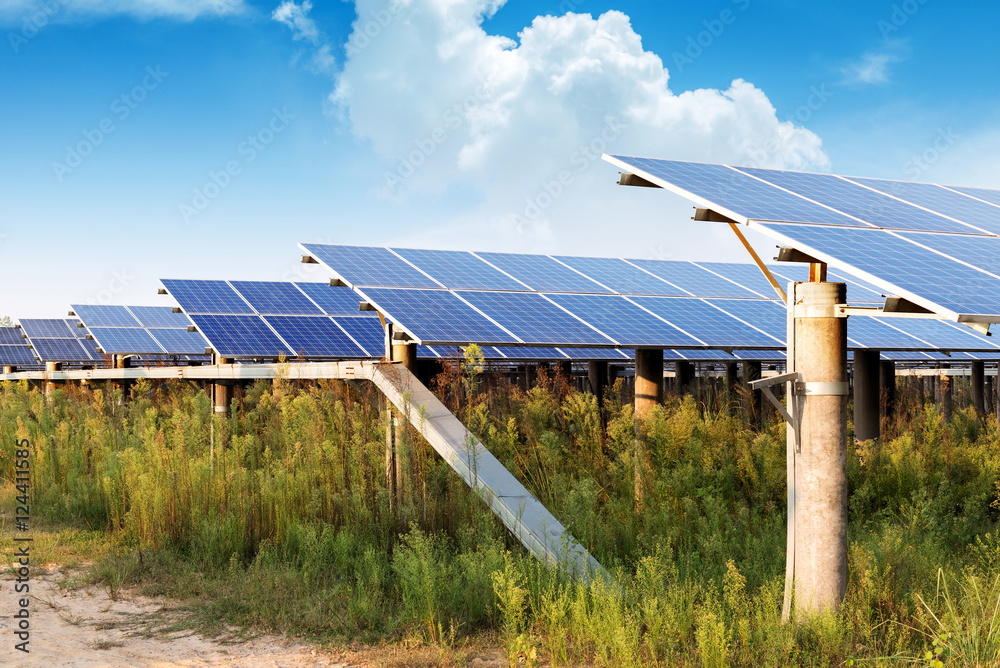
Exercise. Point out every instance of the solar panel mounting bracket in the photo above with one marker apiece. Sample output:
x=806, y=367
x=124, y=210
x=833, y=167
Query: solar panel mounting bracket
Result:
x=712, y=216
x=628, y=179
x=790, y=254
x=338, y=283
x=309, y=259
x=765, y=384
x=176, y=309
x=162, y=291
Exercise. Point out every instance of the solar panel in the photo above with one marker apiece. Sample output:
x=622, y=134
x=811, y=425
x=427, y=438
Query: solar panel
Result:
x=534, y=319
x=125, y=340
x=769, y=316
x=367, y=332
x=751, y=355
x=239, y=335
x=334, y=300
x=105, y=315
x=437, y=316
x=621, y=276
x=973, y=212
x=694, y=280
x=47, y=328
x=60, y=350
x=732, y=190
x=521, y=353
x=16, y=355
x=943, y=335
x=90, y=346
x=11, y=335
x=625, y=322
x=159, y=316
x=919, y=274
x=459, y=270
x=216, y=297
x=980, y=252
x=748, y=276
x=985, y=194
x=314, y=337
x=613, y=354
x=179, y=341
x=865, y=332
x=367, y=266
x=866, y=205
x=698, y=355
x=708, y=323
x=275, y=298
x=543, y=274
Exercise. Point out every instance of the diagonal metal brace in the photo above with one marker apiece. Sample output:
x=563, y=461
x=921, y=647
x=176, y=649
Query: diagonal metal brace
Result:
x=764, y=385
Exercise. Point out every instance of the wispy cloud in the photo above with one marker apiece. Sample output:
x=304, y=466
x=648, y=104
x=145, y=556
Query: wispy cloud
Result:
x=68, y=10
x=303, y=28
x=873, y=68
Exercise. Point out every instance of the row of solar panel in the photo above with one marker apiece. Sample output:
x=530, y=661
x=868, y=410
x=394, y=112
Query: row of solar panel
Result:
x=367, y=267
x=828, y=199
x=263, y=298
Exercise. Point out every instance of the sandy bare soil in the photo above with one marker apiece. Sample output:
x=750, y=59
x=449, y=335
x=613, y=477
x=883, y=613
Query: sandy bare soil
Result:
x=85, y=627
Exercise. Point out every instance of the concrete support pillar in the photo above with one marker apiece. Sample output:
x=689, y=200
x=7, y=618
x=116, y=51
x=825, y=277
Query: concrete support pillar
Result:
x=996, y=394
x=648, y=380
x=222, y=393
x=406, y=355
x=866, y=395
x=732, y=381
x=49, y=386
x=921, y=391
x=683, y=377
x=945, y=393
x=9, y=369
x=887, y=393
x=978, y=380
x=597, y=374
x=754, y=407
x=820, y=465
x=987, y=394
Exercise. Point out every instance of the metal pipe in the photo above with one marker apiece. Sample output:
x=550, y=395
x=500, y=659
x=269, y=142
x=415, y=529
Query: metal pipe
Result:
x=866, y=395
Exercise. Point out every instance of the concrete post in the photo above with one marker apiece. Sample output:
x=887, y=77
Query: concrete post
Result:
x=597, y=374
x=522, y=377
x=50, y=386
x=683, y=377
x=866, y=395
x=732, y=379
x=406, y=355
x=648, y=380
x=754, y=407
x=222, y=393
x=932, y=388
x=820, y=464
x=978, y=379
x=921, y=392
x=887, y=394
x=945, y=393
x=987, y=394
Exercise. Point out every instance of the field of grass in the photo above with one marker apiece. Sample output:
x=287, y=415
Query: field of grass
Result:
x=279, y=518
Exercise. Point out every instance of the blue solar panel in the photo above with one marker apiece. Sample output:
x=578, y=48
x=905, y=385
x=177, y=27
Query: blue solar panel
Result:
x=459, y=270
x=985, y=194
x=275, y=298
x=79, y=331
x=542, y=273
x=869, y=332
x=437, y=316
x=871, y=207
x=91, y=347
x=104, y=315
x=520, y=353
x=159, y=316
x=902, y=265
x=180, y=341
x=366, y=266
x=125, y=340
x=707, y=323
x=760, y=354
x=11, y=335
x=624, y=322
x=367, y=332
x=595, y=354
x=748, y=276
x=60, y=350
x=944, y=335
x=769, y=316
x=314, y=337
x=981, y=252
x=620, y=276
x=695, y=280
x=15, y=355
x=696, y=355
x=736, y=191
x=339, y=300
x=206, y=297
x=239, y=335
x=533, y=319
x=47, y=328
x=941, y=200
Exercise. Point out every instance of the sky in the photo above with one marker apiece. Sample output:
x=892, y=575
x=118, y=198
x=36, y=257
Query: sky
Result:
x=148, y=139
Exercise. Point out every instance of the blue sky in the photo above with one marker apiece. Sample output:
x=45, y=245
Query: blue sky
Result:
x=205, y=138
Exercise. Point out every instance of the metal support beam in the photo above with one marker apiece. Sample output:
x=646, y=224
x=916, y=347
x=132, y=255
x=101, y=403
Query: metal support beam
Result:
x=648, y=380
x=597, y=374
x=222, y=392
x=887, y=392
x=866, y=395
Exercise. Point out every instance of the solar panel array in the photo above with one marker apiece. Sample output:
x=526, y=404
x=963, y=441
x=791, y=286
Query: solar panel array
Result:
x=14, y=348
x=273, y=318
x=565, y=302
x=936, y=246
x=59, y=340
x=153, y=331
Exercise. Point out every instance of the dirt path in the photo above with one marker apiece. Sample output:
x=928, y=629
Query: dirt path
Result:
x=86, y=628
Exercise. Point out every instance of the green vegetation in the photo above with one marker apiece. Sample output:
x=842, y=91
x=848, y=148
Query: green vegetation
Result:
x=279, y=518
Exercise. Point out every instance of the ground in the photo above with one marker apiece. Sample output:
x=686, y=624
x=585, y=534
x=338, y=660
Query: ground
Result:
x=84, y=626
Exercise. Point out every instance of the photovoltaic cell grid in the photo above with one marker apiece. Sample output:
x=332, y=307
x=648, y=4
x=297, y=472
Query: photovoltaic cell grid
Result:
x=139, y=330
x=873, y=232
x=58, y=340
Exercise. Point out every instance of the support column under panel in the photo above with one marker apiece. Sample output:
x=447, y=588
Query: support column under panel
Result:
x=867, y=370
x=648, y=380
x=978, y=381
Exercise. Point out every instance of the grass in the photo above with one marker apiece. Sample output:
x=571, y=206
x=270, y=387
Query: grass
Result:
x=279, y=519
